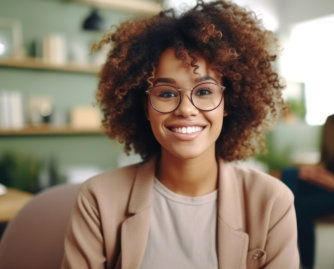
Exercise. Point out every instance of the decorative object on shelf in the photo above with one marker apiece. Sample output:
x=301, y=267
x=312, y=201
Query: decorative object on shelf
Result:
x=85, y=117
x=40, y=110
x=59, y=118
x=79, y=52
x=54, y=49
x=94, y=22
x=10, y=38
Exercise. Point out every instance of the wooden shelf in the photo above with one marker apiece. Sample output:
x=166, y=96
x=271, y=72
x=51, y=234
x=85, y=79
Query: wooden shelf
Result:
x=33, y=63
x=130, y=6
x=46, y=130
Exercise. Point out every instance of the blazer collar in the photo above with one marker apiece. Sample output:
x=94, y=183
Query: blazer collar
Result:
x=230, y=199
x=143, y=183
x=231, y=239
x=135, y=228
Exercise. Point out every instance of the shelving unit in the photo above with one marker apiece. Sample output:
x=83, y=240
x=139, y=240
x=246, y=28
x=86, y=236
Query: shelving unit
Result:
x=48, y=130
x=34, y=63
x=44, y=130
x=67, y=86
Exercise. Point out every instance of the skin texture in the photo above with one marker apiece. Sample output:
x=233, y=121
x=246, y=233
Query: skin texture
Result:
x=187, y=164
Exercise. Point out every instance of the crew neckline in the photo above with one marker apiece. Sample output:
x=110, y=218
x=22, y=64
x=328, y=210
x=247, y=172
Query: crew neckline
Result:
x=190, y=200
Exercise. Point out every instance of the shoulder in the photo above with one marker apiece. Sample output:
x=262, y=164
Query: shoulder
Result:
x=259, y=183
x=117, y=177
x=114, y=185
x=267, y=193
x=256, y=191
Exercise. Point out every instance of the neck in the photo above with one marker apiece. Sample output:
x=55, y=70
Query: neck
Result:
x=189, y=177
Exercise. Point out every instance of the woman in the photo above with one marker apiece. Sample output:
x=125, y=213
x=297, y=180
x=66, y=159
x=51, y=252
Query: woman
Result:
x=189, y=94
x=313, y=187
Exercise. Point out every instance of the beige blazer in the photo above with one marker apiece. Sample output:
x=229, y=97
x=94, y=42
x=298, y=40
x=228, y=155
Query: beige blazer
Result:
x=110, y=220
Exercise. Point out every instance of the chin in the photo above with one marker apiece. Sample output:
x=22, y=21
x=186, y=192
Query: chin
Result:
x=187, y=153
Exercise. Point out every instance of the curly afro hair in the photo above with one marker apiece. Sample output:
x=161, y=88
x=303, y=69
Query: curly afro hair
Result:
x=228, y=37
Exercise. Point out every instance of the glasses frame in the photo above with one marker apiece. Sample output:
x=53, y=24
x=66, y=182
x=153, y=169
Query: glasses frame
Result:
x=148, y=92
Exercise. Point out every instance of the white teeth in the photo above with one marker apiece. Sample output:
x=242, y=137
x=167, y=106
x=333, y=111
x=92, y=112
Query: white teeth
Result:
x=187, y=130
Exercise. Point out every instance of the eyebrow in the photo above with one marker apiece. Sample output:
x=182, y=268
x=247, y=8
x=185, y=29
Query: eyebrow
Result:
x=164, y=80
x=200, y=79
x=172, y=81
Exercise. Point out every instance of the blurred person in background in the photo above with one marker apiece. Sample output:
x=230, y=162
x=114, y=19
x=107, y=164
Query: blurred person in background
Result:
x=313, y=187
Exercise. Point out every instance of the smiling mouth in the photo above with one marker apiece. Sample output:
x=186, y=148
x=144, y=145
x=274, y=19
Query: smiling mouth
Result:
x=187, y=130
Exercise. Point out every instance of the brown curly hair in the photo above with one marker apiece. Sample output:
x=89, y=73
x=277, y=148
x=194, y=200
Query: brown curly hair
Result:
x=235, y=44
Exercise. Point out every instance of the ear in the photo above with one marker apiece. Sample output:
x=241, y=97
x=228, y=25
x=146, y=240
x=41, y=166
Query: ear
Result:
x=225, y=113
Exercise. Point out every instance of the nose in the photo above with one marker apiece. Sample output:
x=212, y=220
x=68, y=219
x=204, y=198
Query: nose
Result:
x=186, y=108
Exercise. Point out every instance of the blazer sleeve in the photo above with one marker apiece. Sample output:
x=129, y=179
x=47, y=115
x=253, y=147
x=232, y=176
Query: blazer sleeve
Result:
x=281, y=245
x=84, y=240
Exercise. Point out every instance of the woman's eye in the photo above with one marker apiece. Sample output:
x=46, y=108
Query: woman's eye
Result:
x=166, y=93
x=203, y=91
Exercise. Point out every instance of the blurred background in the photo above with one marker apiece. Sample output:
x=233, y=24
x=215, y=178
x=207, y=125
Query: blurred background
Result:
x=49, y=125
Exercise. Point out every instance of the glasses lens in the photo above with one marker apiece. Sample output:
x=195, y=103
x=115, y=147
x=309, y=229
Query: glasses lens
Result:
x=207, y=96
x=164, y=98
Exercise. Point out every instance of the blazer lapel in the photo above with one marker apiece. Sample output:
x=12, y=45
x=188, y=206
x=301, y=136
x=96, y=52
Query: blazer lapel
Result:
x=232, y=241
x=134, y=231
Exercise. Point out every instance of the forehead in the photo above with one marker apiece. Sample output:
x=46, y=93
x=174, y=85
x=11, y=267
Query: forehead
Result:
x=170, y=66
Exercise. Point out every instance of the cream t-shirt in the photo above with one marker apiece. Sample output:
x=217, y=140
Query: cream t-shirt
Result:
x=182, y=231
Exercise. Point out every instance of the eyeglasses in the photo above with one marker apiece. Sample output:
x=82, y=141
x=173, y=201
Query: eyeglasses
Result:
x=205, y=96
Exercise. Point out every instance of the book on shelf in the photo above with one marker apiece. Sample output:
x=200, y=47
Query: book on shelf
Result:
x=11, y=110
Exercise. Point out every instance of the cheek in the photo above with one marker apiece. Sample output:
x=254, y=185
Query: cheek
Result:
x=155, y=119
x=220, y=111
x=217, y=120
